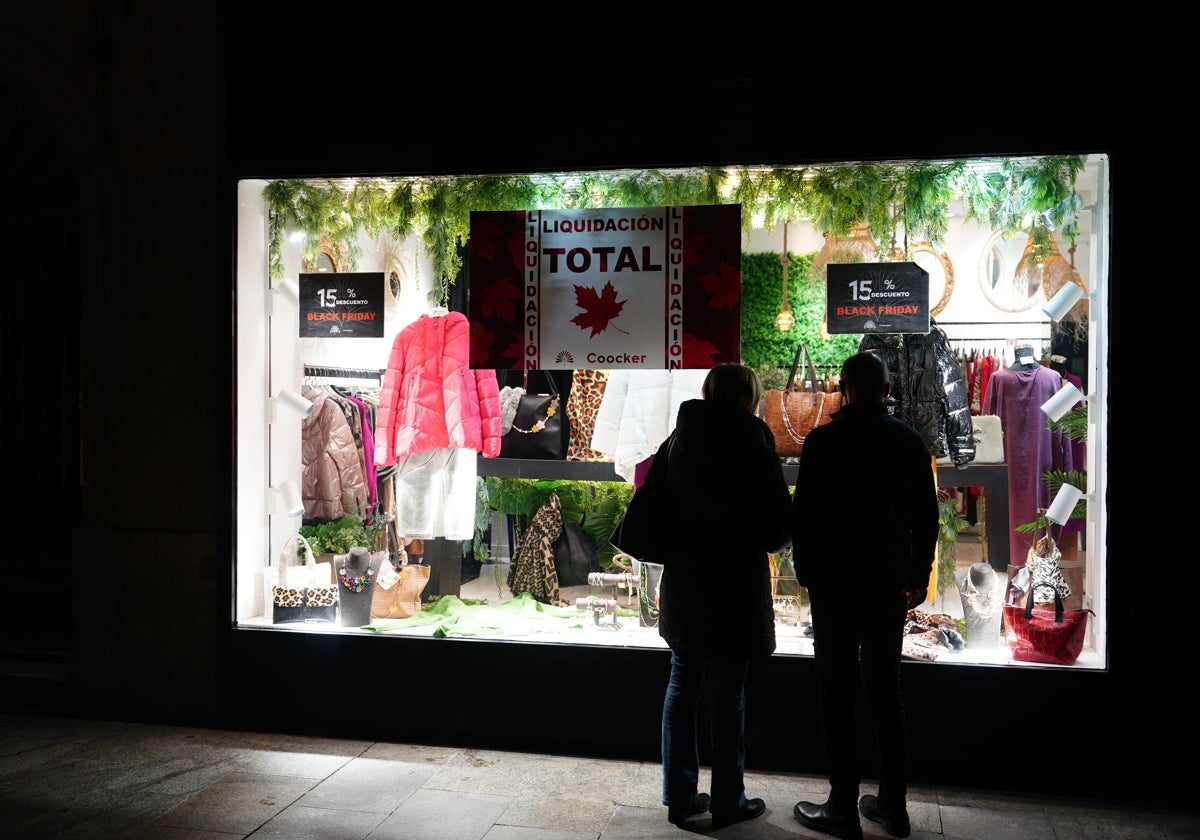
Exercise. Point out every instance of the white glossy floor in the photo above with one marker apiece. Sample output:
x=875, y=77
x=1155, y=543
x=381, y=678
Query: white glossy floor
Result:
x=623, y=628
x=791, y=640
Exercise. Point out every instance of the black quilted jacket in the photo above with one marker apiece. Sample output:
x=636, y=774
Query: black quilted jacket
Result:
x=929, y=390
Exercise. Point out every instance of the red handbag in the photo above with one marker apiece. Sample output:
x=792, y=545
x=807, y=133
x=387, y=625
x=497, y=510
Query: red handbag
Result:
x=1053, y=637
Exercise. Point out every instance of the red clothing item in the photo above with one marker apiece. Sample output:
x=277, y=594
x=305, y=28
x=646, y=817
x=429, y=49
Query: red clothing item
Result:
x=986, y=365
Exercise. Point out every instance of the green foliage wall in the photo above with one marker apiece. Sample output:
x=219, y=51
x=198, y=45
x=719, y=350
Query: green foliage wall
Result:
x=762, y=289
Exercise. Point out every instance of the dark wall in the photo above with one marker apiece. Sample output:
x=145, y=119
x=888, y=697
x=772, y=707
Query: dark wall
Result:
x=112, y=214
x=158, y=112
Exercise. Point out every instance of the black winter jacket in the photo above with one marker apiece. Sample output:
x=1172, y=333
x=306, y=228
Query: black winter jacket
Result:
x=729, y=508
x=929, y=389
x=865, y=505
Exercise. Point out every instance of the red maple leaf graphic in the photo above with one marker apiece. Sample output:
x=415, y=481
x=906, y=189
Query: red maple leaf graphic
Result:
x=598, y=310
x=693, y=247
x=698, y=354
x=514, y=351
x=497, y=299
x=724, y=289
x=484, y=235
x=481, y=344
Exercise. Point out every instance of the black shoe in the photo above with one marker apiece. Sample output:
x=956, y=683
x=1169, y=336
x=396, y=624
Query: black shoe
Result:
x=827, y=820
x=753, y=808
x=698, y=805
x=894, y=822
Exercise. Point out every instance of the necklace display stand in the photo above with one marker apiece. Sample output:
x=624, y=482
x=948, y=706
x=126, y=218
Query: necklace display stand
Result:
x=356, y=580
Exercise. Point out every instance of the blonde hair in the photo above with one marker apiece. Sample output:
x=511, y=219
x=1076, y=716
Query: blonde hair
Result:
x=734, y=385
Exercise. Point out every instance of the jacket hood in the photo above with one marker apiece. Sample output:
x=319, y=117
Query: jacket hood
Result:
x=708, y=431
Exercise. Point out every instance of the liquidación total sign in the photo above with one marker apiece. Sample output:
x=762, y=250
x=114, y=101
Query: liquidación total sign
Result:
x=641, y=287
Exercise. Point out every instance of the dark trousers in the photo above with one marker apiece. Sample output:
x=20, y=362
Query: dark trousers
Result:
x=680, y=748
x=856, y=646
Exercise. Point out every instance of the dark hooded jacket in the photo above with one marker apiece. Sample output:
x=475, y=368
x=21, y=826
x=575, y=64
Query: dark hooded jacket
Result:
x=929, y=389
x=866, y=503
x=729, y=508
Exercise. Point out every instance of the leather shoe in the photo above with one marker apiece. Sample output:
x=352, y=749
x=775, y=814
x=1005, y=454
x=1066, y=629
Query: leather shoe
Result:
x=698, y=805
x=894, y=822
x=753, y=808
x=828, y=820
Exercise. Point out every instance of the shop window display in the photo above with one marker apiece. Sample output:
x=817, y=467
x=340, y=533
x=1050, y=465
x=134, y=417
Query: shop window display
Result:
x=434, y=494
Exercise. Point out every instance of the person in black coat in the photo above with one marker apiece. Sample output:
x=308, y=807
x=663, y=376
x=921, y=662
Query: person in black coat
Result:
x=728, y=509
x=866, y=508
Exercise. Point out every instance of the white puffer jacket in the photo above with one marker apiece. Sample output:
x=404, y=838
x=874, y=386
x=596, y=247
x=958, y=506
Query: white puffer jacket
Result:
x=638, y=411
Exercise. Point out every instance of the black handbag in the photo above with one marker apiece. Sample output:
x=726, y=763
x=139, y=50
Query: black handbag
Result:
x=641, y=532
x=539, y=425
x=575, y=556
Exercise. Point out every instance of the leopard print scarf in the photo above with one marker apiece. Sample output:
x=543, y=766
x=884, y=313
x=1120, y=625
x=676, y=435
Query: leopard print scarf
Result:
x=533, y=568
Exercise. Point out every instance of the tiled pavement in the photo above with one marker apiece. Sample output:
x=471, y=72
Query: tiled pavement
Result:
x=64, y=778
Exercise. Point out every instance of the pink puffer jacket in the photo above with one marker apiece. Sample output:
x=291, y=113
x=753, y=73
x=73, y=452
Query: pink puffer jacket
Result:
x=431, y=399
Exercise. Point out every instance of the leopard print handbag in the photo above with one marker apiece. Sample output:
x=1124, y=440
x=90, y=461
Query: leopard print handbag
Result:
x=299, y=589
x=304, y=604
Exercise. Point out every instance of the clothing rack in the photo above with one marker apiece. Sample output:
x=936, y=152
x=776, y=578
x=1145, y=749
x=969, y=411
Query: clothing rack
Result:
x=988, y=323
x=1017, y=342
x=343, y=373
x=1020, y=333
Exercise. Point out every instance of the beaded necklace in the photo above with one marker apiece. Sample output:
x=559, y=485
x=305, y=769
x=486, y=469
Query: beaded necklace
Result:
x=356, y=584
x=538, y=425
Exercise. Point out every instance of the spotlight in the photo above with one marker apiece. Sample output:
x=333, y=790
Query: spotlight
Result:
x=286, y=290
x=293, y=401
x=1064, y=503
x=1063, y=300
x=286, y=498
x=1061, y=403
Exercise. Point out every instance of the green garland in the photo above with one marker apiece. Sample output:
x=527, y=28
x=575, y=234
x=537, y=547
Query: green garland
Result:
x=1003, y=194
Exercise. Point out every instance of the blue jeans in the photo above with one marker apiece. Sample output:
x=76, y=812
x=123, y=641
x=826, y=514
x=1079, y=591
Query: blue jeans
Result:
x=680, y=747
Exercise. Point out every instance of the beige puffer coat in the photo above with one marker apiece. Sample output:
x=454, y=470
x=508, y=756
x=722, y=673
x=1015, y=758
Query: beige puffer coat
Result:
x=334, y=482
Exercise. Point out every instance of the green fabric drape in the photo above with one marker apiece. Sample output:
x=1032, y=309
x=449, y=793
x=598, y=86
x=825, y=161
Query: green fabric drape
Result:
x=519, y=616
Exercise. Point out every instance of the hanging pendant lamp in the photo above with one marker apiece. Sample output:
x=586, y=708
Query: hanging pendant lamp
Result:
x=784, y=320
x=1057, y=273
x=857, y=247
x=1027, y=277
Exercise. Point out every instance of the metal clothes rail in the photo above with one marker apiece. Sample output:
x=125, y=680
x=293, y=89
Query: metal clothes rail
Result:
x=342, y=372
